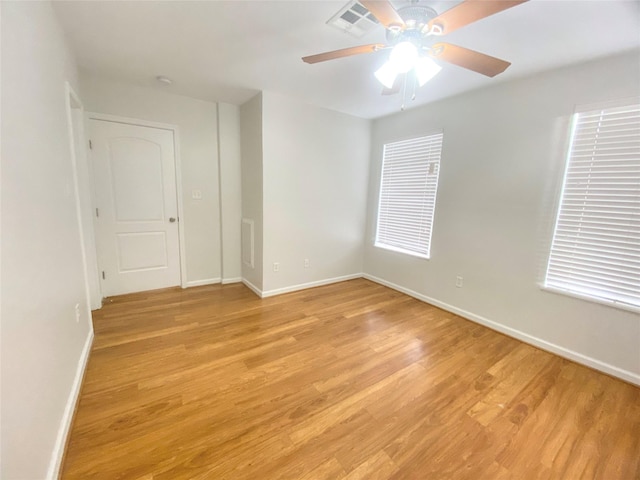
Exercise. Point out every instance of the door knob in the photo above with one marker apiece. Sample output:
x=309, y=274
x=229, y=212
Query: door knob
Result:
x=172, y=220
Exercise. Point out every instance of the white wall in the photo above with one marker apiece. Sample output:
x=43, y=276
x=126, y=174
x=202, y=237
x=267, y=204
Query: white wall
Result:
x=198, y=127
x=42, y=274
x=502, y=167
x=230, y=190
x=251, y=179
x=316, y=168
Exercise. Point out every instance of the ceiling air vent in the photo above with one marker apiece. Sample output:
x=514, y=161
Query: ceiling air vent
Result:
x=354, y=19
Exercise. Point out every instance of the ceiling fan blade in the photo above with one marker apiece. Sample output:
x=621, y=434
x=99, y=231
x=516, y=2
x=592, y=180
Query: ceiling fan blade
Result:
x=345, y=52
x=397, y=85
x=384, y=12
x=470, y=11
x=470, y=59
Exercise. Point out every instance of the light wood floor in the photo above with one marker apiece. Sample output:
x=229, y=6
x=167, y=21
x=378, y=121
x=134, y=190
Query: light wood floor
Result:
x=346, y=381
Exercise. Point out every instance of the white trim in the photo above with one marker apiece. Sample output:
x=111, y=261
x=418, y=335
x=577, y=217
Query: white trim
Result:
x=182, y=242
x=178, y=167
x=604, y=367
x=227, y=281
x=218, y=162
x=204, y=281
x=401, y=250
x=304, y=286
x=130, y=121
x=252, y=287
x=67, y=418
x=71, y=95
x=587, y=298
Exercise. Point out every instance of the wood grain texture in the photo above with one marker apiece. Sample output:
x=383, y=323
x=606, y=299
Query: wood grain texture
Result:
x=470, y=59
x=470, y=11
x=345, y=381
x=384, y=12
x=344, y=52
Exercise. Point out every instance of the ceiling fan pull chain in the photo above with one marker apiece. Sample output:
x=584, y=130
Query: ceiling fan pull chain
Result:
x=414, y=81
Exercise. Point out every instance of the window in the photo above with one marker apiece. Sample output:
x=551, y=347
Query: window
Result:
x=408, y=194
x=596, y=242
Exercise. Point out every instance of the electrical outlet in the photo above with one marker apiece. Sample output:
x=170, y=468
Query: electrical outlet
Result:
x=306, y=263
x=459, y=281
x=77, y=313
x=196, y=194
x=276, y=266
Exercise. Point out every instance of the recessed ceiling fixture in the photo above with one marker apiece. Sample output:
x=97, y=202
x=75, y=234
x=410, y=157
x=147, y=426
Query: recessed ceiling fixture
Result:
x=163, y=79
x=411, y=36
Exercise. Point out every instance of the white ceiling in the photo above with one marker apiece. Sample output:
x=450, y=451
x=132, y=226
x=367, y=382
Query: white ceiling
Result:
x=228, y=50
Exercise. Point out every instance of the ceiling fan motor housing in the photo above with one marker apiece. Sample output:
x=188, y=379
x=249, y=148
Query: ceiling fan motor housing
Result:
x=416, y=18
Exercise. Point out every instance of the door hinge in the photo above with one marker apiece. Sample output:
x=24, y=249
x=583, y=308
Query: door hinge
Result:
x=103, y=275
x=97, y=212
x=90, y=145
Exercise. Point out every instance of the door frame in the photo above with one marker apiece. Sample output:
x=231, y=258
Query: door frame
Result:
x=178, y=166
x=79, y=158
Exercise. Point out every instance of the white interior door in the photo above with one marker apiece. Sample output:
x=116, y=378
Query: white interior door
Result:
x=137, y=217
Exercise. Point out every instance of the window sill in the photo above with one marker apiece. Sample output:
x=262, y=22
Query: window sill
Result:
x=401, y=250
x=608, y=303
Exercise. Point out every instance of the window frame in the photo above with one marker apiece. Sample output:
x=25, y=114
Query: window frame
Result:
x=601, y=300
x=376, y=242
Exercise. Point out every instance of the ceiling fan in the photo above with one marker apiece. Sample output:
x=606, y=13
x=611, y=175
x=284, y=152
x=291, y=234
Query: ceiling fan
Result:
x=412, y=34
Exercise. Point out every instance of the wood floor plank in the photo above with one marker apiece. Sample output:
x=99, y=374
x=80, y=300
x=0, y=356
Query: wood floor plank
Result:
x=521, y=366
x=345, y=381
x=331, y=469
x=377, y=466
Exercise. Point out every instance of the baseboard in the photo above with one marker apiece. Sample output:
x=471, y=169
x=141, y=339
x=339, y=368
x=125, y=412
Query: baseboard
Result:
x=252, y=287
x=205, y=281
x=227, y=281
x=591, y=362
x=303, y=286
x=67, y=418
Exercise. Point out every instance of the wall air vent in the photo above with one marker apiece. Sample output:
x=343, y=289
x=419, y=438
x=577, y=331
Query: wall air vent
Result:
x=353, y=19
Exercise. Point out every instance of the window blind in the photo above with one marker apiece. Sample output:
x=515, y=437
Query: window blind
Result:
x=596, y=244
x=408, y=194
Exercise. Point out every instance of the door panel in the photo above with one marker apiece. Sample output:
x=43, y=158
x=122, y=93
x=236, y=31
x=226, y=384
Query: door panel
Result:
x=138, y=189
x=142, y=251
x=137, y=235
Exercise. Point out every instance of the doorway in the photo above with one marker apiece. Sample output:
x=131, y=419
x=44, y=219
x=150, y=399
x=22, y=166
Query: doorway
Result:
x=137, y=210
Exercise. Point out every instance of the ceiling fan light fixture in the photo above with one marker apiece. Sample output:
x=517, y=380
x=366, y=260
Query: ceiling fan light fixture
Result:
x=404, y=56
x=425, y=69
x=387, y=74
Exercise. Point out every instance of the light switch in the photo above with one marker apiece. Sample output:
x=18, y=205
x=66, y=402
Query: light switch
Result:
x=196, y=194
